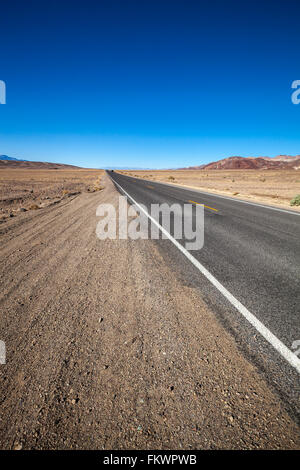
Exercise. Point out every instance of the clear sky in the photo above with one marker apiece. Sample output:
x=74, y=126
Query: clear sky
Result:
x=149, y=83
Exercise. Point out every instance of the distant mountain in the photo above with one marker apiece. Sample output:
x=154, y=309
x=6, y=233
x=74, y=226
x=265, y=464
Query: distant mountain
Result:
x=197, y=167
x=5, y=157
x=252, y=163
x=10, y=162
x=284, y=158
x=126, y=168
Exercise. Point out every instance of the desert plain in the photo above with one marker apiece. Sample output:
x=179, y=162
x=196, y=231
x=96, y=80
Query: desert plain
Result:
x=26, y=189
x=32, y=189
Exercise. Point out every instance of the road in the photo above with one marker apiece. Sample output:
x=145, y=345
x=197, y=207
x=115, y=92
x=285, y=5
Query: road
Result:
x=254, y=252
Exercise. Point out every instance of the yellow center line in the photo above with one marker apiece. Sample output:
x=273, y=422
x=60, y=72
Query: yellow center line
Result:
x=193, y=202
x=207, y=207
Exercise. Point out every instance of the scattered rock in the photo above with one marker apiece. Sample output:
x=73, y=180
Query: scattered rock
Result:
x=18, y=446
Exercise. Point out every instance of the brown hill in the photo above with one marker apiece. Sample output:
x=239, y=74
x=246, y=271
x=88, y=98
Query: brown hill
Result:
x=254, y=163
x=10, y=164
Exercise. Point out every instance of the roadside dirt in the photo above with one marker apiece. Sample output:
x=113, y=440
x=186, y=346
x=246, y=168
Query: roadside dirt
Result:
x=107, y=350
x=273, y=187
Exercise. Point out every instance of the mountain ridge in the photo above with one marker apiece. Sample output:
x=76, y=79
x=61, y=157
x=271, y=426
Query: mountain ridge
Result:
x=7, y=158
x=11, y=162
x=251, y=163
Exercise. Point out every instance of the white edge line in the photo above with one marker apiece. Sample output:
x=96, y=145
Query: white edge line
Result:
x=288, y=355
x=216, y=195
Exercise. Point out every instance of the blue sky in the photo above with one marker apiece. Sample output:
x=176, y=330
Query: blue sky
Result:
x=149, y=83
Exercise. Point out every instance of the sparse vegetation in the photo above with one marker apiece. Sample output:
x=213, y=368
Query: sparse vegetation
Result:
x=295, y=201
x=97, y=185
x=34, y=207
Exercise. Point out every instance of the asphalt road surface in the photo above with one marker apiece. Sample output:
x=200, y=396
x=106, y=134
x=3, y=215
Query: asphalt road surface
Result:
x=254, y=252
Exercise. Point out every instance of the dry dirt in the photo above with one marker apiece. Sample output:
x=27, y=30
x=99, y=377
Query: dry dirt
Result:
x=273, y=187
x=26, y=189
x=106, y=349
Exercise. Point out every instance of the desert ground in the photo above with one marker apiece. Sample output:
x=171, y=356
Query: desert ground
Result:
x=106, y=347
x=273, y=187
x=31, y=189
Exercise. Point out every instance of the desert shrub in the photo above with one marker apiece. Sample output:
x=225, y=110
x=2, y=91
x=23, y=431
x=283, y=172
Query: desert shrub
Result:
x=295, y=201
x=34, y=207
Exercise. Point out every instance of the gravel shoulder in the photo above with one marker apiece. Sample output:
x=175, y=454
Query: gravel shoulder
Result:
x=106, y=349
